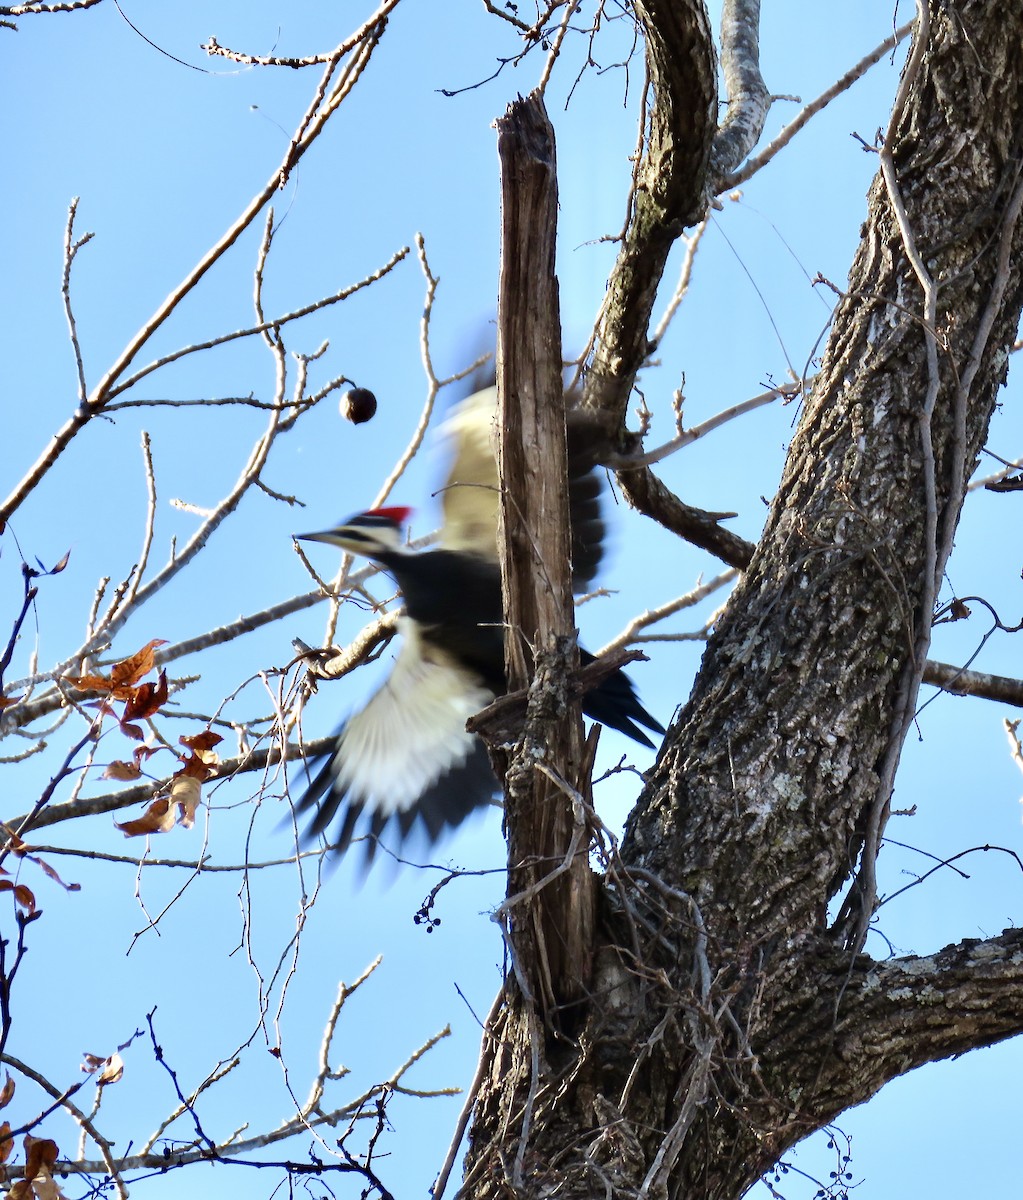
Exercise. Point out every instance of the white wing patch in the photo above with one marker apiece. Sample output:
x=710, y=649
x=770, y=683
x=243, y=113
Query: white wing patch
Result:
x=411, y=731
x=470, y=495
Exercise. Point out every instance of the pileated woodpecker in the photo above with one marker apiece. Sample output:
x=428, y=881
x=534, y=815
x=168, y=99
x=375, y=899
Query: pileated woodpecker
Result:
x=406, y=756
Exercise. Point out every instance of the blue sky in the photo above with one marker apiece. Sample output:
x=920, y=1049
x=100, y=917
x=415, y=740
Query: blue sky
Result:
x=163, y=158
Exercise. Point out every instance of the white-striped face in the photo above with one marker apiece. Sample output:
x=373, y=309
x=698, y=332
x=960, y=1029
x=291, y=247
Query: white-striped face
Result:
x=366, y=533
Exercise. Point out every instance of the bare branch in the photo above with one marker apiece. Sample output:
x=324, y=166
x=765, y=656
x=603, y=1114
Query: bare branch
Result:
x=215, y=50
x=653, y=615
x=962, y=682
x=692, y=244
x=258, y=330
x=646, y=493
x=29, y=9
x=363, y=42
x=669, y=193
x=252, y=760
x=648, y=458
x=748, y=98
x=551, y=935
x=842, y=84
x=71, y=248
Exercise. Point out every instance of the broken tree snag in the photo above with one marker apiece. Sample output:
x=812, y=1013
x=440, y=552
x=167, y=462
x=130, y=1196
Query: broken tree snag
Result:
x=549, y=913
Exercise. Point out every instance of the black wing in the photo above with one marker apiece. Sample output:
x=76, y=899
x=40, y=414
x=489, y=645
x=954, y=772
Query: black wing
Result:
x=406, y=760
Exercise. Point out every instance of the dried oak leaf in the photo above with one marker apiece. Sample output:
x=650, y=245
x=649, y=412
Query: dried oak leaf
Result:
x=159, y=817
x=180, y=805
x=7, y=1091
x=185, y=795
x=6, y=1141
x=202, y=761
x=38, y=1184
x=22, y=895
x=146, y=700
x=201, y=742
x=106, y=1070
x=40, y=1155
x=123, y=675
x=121, y=770
x=130, y=670
x=22, y=850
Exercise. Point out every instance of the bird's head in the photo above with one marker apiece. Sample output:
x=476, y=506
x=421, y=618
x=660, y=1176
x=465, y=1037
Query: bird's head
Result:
x=374, y=534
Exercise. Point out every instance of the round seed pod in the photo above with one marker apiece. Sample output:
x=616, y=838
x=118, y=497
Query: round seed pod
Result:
x=358, y=405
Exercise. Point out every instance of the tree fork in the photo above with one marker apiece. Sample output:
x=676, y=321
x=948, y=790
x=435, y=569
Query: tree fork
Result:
x=726, y=1020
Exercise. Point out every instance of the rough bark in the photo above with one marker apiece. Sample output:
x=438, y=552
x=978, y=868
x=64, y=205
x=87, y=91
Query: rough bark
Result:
x=726, y=1020
x=669, y=192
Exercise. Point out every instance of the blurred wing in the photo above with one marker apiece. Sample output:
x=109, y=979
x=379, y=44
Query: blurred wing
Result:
x=585, y=484
x=471, y=496
x=406, y=758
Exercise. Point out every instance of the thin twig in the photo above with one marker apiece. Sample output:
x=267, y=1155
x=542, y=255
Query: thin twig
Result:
x=71, y=248
x=653, y=615
x=842, y=84
x=365, y=41
x=626, y=462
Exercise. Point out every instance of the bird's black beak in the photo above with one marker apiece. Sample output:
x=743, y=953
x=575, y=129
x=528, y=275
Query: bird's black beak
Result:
x=330, y=536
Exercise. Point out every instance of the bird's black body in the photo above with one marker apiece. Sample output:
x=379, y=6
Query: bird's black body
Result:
x=464, y=616
x=406, y=756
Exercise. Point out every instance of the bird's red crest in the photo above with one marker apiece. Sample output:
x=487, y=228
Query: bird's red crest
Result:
x=399, y=514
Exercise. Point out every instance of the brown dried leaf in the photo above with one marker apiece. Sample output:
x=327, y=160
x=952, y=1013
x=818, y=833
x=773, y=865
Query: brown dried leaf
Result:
x=7, y=1091
x=203, y=759
x=7, y=701
x=88, y=683
x=146, y=700
x=107, y=1070
x=113, y=1070
x=159, y=817
x=22, y=895
x=46, y=1187
x=122, y=770
x=130, y=670
x=40, y=1155
x=123, y=675
x=201, y=741
x=6, y=1141
x=23, y=851
x=196, y=768
x=185, y=793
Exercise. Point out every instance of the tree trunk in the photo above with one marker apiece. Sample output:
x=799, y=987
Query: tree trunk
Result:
x=726, y=1020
